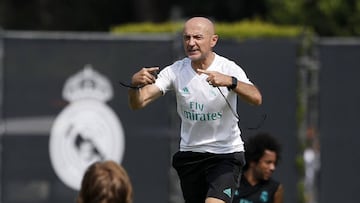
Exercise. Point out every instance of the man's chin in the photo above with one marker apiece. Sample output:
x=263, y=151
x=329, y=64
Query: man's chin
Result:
x=193, y=57
x=267, y=177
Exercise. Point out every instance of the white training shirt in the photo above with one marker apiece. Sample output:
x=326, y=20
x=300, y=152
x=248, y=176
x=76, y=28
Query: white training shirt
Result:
x=207, y=122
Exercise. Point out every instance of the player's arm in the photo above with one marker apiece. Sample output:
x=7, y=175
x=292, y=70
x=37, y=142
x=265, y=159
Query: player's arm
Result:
x=279, y=194
x=247, y=92
x=147, y=91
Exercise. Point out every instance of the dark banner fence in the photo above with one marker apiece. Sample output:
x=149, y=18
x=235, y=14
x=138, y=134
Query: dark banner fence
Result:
x=39, y=115
x=35, y=68
x=339, y=117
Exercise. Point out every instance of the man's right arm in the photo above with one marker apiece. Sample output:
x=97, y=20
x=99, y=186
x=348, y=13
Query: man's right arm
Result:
x=147, y=91
x=139, y=98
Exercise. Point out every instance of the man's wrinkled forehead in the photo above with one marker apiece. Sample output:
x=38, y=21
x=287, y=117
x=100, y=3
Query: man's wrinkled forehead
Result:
x=194, y=33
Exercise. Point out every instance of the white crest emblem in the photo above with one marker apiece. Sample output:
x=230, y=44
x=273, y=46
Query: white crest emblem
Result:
x=87, y=130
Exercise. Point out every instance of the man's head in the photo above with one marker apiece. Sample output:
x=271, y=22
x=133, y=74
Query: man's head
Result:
x=262, y=153
x=199, y=38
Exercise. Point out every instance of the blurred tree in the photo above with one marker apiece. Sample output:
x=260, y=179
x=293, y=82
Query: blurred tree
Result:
x=334, y=17
x=326, y=17
x=225, y=10
x=285, y=11
x=154, y=11
x=64, y=15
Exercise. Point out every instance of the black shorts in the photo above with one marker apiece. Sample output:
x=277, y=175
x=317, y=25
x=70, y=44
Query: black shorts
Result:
x=205, y=175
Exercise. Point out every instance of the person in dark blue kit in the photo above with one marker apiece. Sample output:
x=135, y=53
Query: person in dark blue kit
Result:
x=262, y=154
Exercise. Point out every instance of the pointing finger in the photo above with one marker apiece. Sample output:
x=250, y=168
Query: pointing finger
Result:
x=203, y=71
x=152, y=69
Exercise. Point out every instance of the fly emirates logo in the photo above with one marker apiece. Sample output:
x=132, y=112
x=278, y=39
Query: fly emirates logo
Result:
x=196, y=113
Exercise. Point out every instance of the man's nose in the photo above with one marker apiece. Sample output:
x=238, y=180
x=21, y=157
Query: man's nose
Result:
x=272, y=167
x=191, y=41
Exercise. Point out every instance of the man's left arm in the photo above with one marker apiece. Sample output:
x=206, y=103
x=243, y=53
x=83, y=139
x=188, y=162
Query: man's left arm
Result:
x=279, y=194
x=247, y=92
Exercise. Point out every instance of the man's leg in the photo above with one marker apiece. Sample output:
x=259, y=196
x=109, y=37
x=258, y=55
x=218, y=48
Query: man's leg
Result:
x=223, y=177
x=213, y=200
x=191, y=174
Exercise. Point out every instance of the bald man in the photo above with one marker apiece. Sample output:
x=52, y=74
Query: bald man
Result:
x=206, y=85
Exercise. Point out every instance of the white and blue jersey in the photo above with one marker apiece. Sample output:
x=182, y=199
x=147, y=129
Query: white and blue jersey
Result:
x=207, y=122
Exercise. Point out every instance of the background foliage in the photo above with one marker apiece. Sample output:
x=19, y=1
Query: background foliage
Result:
x=234, y=30
x=325, y=17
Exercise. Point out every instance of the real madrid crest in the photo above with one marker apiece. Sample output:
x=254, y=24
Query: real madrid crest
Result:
x=87, y=130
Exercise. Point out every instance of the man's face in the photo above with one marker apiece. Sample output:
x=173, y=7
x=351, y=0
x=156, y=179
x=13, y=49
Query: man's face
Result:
x=266, y=165
x=197, y=41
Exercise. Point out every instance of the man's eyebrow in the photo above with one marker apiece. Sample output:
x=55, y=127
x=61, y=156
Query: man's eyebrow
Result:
x=194, y=35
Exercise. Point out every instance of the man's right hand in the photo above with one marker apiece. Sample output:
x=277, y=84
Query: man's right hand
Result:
x=144, y=77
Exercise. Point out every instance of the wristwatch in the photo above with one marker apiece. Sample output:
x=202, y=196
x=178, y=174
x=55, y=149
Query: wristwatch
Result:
x=233, y=84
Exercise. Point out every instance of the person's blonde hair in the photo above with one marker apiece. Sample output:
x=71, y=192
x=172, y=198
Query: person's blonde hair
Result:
x=105, y=182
